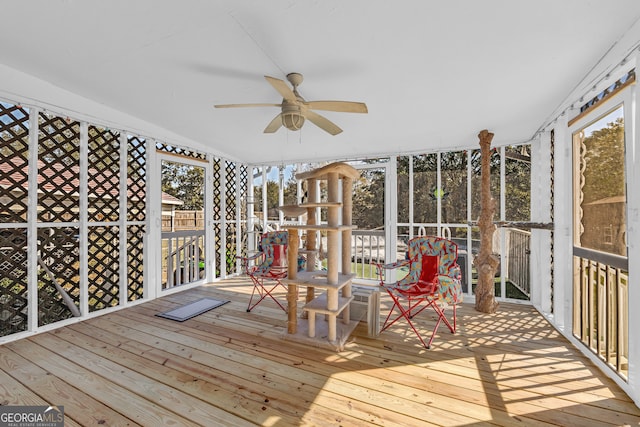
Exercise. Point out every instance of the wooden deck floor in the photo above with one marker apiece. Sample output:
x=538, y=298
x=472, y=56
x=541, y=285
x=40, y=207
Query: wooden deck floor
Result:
x=231, y=368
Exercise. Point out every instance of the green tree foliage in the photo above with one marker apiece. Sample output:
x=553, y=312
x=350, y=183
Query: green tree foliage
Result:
x=602, y=189
x=518, y=183
x=424, y=186
x=453, y=191
x=272, y=198
x=476, y=177
x=291, y=192
x=368, y=193
x=185, y=182
x=604, y=156
x=368, y=200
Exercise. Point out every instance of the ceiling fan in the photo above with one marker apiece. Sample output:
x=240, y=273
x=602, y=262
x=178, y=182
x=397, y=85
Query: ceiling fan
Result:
x=295, y=110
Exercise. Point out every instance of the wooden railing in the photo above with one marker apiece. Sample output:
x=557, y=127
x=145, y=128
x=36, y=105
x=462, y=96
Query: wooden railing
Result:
x=518, y=255
x=367, y=247
x=183, y=257
x=600, y=306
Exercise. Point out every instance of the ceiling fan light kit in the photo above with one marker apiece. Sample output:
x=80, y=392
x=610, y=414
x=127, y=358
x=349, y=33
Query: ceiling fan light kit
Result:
x=292, y=121
x=295, y=110
x=292, y=117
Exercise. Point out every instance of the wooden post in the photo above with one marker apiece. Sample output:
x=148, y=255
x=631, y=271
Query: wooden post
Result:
x=312, y=239
x=347, y=219
x=292, y=273
x=333, y=218
x=486, y=262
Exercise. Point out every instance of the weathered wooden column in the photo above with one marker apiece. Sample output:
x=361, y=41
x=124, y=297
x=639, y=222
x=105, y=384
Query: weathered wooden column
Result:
x=486, y=262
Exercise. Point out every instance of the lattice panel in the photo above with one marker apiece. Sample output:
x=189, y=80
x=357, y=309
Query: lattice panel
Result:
x=230, y=246
x=242, y=190
x=180, y=151
x=104, y=175
x=244, y=186
x=103, y=266
x=217, y=231
x=59, y=252
x=217, y=192
x=625, y=80
x=136, y=178
x=58, y=169
x=14, y=172
x=135, y=262
x=230, y=190
x=13, y=284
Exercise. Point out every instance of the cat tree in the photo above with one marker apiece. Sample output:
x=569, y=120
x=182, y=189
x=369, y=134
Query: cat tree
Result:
x=336, y=279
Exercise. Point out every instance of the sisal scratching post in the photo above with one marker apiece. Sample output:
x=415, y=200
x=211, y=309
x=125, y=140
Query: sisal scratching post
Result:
x=292, y=273
x=312, y=235
x=347, y=219
x=486, y=262
x=333, y=218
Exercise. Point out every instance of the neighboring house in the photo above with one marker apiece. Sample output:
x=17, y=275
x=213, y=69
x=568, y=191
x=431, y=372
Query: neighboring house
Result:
x=169, y=205
x=56, y=181
x=606, y=230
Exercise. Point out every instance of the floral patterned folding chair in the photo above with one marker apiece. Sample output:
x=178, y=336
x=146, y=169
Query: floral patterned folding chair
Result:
x=433, y=281
x=268, y=268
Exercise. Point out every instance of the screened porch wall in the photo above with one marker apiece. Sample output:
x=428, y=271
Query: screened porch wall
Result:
x=76, y=219
x=78, y=246
x=433, y=194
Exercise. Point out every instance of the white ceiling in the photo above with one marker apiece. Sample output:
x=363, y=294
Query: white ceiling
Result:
x=433, y=73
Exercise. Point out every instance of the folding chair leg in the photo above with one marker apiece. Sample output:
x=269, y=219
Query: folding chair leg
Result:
x=386, y=323
x=409, y=314
x=263, y=292
x=404, y=314
x=256, y=287
x=453, y=331
x=418, y=335
x=441, y=318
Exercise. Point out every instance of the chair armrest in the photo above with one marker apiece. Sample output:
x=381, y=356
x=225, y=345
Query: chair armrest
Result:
x=246, y=260
x=250, y=258
x=455, y=271
x=390, y=266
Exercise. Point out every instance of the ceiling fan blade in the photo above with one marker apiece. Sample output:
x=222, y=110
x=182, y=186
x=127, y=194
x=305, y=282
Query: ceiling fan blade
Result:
x=341, y=106
x=274, y=125
x=282, y=88
x=323, y=123
x=246, y=105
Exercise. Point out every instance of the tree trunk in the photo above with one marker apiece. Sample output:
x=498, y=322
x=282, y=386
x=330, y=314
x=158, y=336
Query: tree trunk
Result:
x=486, y=262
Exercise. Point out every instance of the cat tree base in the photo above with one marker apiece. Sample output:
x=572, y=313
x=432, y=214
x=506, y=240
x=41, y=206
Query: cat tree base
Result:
x=321, y=328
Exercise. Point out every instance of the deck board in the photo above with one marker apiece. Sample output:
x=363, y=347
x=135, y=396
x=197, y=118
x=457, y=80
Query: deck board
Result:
x=230, y=367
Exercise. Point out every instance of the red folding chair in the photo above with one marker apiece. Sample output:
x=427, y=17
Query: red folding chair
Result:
x=433, y=281
x=272, y=267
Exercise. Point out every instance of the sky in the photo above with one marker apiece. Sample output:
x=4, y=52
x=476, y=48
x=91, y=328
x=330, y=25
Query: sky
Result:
x=273, y=175
x=604, y=121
